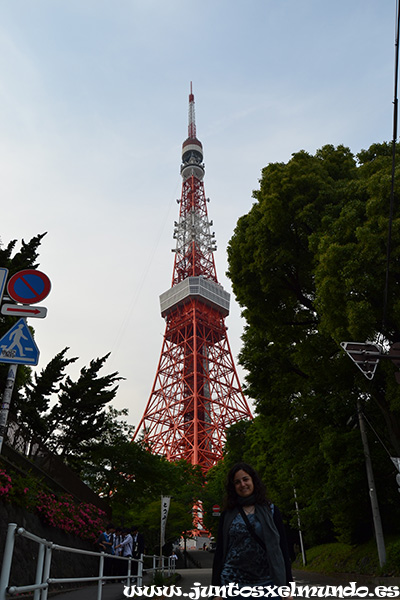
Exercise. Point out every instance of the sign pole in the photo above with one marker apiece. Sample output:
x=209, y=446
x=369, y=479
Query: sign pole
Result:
x=380, y=541
x=17, y=346
x=5, y=405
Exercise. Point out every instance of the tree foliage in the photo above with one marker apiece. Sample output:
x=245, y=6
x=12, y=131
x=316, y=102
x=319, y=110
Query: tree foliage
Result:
x=308, y=267
x=79, y=416
x=32, y=404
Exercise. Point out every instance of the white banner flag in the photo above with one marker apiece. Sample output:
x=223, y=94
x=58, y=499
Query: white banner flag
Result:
x=165, y=500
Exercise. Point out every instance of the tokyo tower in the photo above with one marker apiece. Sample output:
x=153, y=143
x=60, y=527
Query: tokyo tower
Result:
x=196, y=393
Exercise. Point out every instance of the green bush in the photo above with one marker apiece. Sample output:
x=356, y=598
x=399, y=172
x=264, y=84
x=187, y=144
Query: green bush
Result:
x=344, y=558
x=392, y=566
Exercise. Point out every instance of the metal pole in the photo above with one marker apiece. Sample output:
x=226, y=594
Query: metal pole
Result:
x=380, y=542
x=139, y=579
x=5, y=406
x=7, y=560
x=46, y=570
x=100, y=581
x=39, y=570
x=303, y=554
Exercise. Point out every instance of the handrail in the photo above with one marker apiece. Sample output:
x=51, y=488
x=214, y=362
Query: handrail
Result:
x=43, y=566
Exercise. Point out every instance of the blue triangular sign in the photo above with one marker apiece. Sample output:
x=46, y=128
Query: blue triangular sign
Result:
x=18, y=346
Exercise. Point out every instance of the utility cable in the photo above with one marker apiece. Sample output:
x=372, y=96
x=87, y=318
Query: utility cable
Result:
x=391, y=209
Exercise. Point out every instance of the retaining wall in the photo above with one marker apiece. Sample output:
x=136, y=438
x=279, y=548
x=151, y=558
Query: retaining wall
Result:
x=64, y=564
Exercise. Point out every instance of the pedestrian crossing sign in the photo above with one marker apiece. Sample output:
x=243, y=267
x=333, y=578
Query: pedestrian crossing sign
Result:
x=18, y=347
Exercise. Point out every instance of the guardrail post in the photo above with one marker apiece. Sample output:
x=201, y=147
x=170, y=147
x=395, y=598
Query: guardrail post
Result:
x=129, y=580
x=46, y=570
x=101, y=572
x=39, y=571
x=7, y=560
x=139, y=580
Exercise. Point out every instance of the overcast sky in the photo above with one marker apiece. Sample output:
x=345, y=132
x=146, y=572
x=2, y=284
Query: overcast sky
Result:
x=93, y=113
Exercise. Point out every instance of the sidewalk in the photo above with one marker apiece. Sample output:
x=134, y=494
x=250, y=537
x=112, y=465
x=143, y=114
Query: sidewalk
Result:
x=189, y=577
x=115, y=591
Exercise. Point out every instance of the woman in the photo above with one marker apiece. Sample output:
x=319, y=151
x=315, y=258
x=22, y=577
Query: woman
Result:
x=251, y=544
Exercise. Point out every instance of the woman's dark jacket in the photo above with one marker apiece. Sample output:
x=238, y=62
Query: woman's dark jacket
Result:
x=221, y=548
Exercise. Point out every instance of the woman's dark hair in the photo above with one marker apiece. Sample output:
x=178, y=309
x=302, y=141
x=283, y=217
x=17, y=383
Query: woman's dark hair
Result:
x=260, y=494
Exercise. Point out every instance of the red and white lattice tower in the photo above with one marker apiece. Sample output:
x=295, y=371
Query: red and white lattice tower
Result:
x=196, y=393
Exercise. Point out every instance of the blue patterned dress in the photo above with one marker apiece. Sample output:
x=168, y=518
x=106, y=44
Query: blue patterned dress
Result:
x=246, y=562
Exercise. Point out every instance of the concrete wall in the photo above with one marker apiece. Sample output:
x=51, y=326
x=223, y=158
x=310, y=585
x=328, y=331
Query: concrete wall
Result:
x=25, y=555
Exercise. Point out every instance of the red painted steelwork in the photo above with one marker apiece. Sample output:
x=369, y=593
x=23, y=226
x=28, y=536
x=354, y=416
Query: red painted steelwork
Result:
x=196, y=393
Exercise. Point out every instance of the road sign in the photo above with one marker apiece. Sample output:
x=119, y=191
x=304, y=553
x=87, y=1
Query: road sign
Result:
x=3, y=279
x=365, y=356
x=216, y=510
x=18, y=346
x=16, y=310
x=396, y=462
x=28, y=286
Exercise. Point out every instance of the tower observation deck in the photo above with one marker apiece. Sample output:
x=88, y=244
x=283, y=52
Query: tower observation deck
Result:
x=196, y=392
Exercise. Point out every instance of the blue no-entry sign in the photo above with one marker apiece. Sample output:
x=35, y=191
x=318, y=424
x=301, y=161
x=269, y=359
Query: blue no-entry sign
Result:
x=28, y=286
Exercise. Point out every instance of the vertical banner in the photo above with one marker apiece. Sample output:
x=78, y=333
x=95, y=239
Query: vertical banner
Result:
x=165, y=500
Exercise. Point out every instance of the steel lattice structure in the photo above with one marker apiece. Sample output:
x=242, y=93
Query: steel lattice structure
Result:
x=196, y=393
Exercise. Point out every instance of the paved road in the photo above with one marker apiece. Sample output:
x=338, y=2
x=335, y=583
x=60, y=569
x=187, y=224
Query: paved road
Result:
x=115, y=591
x=203, y=576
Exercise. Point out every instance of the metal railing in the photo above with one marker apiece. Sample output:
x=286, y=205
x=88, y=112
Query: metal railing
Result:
x=43, y=567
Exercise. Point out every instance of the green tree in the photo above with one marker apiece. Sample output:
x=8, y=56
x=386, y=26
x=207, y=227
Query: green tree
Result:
x=307, y=265
x=103, y=466
x=32, y=405
x=140, y=479
x=79, y=417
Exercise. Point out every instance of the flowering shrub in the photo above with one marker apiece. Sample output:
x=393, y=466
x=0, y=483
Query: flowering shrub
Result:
x=5, y=483
x=24, y=491
x=81, y=519
x=84, y=520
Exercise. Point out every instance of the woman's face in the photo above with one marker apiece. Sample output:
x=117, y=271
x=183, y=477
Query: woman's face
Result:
x=243, y=483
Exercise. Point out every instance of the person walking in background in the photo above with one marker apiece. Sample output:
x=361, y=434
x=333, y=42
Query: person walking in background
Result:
x=105, y=545
x=138, y=542
x=126, y=547
x=116, y=540
x=138, y=547
x=126, y=544
x=251, y=547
